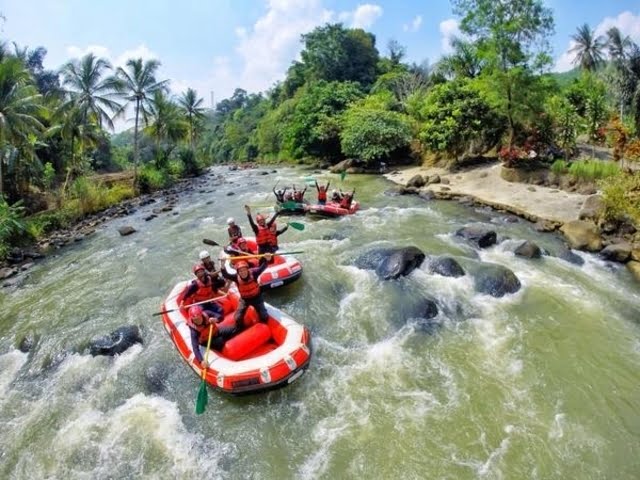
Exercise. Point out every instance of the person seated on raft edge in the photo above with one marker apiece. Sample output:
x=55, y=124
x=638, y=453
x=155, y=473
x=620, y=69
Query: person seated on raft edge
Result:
x=250, y=295
x=204, y=287
x=322, y=192
x=239, y=248
x=298, y=195
x=233, y=230
x=346, y=199
x=280, y=194
x=263, y=236
x=210, y=267
x=199, y=322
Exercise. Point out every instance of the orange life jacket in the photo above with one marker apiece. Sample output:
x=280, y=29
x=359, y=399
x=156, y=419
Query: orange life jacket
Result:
x=248, y=288
x=273, y=236
x=203, y=330
x=345, y=202
x=264, y=236
x=322, y=195
x=204, y=292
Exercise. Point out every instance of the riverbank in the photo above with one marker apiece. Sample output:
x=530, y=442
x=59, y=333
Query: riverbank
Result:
x=484, y=185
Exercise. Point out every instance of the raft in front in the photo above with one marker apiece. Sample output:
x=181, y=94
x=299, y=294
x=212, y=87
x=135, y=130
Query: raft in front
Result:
x=282, y=271
x=261, y=357
x=332, y=209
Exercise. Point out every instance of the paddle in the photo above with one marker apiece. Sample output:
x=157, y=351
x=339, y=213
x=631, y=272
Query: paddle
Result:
x=296, y=225
x=242, y=257
x=343, y=174
x=191, y=305
x=213, y=243
x=203, y=396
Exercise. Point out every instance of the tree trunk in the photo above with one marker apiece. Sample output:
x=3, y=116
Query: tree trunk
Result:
x=510, y=116
x=135, y=148
x=191, y=130
x=1, y=179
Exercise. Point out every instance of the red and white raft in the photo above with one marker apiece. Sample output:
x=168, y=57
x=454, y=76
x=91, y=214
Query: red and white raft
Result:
x=261, y=357
x=332, y=209
x=282, y=271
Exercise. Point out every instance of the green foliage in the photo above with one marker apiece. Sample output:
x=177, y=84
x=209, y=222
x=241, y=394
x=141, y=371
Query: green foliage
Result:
x=457, y=117
x=560, y=167
x=374, y=133
x=565, y=123
x=593, y=169
x=190, y=165
x=11, y=224
x=48, y=176
x=151, y=179
x=87, y=196
x=621, y=193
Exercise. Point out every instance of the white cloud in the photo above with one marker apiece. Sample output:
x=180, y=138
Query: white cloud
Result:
x=365, y=15
x=414, y=25
x=74, y=51
x=627, y=22
x=449, y=29
x=141, y=51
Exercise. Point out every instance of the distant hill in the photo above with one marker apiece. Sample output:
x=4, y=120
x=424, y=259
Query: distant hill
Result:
x=122, y=139
x=565, y=78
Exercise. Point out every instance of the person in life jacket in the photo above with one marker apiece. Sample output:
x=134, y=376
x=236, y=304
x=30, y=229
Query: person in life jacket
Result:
x=250, y=295
x=210, y=267
x=261, y=228
x=322, y=192
x=280, y=194
x=275, y=233
x=199, y=322
x=287, y=195
x=298, y=195
x=203, y=288
x=336, y=196
x=233, y=230
x=346, y=199
x=239, y=248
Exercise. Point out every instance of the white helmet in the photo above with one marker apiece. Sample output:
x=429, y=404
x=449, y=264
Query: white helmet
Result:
x=204, y=254
x=230, y=220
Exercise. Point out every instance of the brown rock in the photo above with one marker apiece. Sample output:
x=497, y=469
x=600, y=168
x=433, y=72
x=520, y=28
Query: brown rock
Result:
x=432, y=179
x=592, y=208
x=445, y=181
x=416, y=181
x=544, y=226
x=531, y=189
x=635, y=254
x=634, y=268
x=127, y=230
x=617, y=252
x=582, y=235
x=7, y=272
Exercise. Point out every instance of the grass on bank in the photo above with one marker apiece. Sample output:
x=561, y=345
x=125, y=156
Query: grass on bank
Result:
x=587, y=170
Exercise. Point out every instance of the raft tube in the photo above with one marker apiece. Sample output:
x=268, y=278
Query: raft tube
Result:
x=298, y=209
x=283, y=271
x=261, y=357
x=332, y=209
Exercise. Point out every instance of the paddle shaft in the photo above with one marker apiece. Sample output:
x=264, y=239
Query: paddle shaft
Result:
x=191, y=305
x=242, y=257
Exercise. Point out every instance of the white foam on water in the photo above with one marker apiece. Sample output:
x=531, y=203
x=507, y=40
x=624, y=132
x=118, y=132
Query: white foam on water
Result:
x=10, y=364
x=556, y=431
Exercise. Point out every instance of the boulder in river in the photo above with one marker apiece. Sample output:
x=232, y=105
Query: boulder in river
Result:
x=582, y=235
x=480, y=235
x=116, y=342
x=528, y=249
x=445, y=266
x=391, y=263
x=27, y=343
x=617, y=252
x=495, y=280
x=416, y=181
x=634, y=268
x=126, y=230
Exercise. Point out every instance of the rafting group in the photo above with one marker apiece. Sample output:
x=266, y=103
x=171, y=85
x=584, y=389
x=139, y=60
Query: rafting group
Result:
x=249, y=345
x=290, y=200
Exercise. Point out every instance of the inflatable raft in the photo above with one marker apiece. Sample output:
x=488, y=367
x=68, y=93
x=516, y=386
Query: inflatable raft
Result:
x=292, y=208
x=332, y=209
x=283, y=270
x=261, y=357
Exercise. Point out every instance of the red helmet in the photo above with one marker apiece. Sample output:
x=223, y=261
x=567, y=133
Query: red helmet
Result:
x=198, y=266
x=260, y=218
x=195, y=311
x=241, y=264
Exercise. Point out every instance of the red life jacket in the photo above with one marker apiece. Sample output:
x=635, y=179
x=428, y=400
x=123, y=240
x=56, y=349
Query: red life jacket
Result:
x=203, y=330
x=264, y=236
x=248, y=288
x=322, y=195
x=204, y=292
x=345, y=202
x=273, y=236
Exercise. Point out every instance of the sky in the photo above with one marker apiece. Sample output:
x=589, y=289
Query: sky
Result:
x=218, y=45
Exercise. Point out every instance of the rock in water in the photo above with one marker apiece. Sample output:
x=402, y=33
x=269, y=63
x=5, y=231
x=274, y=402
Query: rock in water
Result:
x=634, y=268
x=117, y=342
x=127, y=230
x=416, y=181
x=482, y=236
x=617, y=252
x=528, y=249
x=391, y=263
x=496, y=280
x=445, y=266
x=582, y=235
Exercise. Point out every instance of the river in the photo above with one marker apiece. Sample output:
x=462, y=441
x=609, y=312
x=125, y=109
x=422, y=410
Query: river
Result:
x=541, y=384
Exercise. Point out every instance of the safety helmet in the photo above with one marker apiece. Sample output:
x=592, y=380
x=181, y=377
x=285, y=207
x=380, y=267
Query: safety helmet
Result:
x=204, y=254
x=195, y=311
x=241, y=264
x=198, y=266
x=230, y=221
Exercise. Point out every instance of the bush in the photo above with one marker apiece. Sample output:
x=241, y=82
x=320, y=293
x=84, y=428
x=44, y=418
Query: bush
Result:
x=621, y=193
x=151, y=179
x=593, y=169
x=11, y=224
x=189, y=162
x=560, y=167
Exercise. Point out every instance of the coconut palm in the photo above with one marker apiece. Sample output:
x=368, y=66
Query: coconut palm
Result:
x=137, y=85
x=588, y=48
x=168, y=125
x=20, y=105
x=89, y=91
x=463, y=62
x=192, y=106
x=618, y=44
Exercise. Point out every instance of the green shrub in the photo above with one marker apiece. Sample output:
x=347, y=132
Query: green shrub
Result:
x=621, y=193
x=560, y=166
x=151, y=179
x=11, y=224
x=189, y=162
x=593, y=169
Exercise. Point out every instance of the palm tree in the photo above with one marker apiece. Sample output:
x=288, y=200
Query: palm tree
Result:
x=89, y=92
x=168, y=125
x=137, y=86
x=463, y=62
x=19, y=108
x=617, y=44
x=192, y=105
x=588, y=48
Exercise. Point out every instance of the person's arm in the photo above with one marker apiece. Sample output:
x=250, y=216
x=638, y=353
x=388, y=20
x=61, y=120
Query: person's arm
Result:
x=282, y=230
x=254, y=227
x=218, y=282
x=317, y=187
x=273, y=219
x=230, y=276
x=305, y=189
x=264, y=263
x=195, y=344
x=328, y=183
